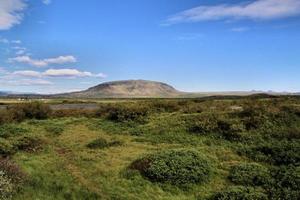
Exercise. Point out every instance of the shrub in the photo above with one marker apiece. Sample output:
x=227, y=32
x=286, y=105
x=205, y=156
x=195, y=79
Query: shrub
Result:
x=276, y=152
x=287, y=185
x=289, y=177
x=8, y=130
x=29, y=144
x=102, y=143
x=55, y=129
x=12, y=170
x=128, y=113
x=164, y=106
x=6, y=187
x=36, y=110
x=205, y=124
x=174, y=167
x=240, y=193
x=6, y=148
x=249, y=174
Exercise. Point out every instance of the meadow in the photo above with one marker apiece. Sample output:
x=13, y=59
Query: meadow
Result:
x=218, y=148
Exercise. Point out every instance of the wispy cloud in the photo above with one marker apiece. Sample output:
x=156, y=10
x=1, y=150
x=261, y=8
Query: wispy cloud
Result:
x=70, y=73
x=46, y=2
x=56, y=73
x=255, y=10
x=240, y=29
x=189, y=36
x=4, y=40
x=25, y=82
x=11, y=13
x=43, y=62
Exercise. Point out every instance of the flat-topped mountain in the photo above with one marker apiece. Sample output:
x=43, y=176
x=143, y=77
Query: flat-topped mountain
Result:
x=128, y=88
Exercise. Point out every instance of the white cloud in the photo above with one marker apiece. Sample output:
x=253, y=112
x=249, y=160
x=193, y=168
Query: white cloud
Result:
x=25, y=82
x=46, y=2
x=16, y=41
x=11, y=13
x=27, y=73
x=240, y=29
x=70, y=73
x=43, y=62
x=20, y=52
x=56, y=73
x=255, y=10
x=190, y=36
x=4, y=40
x=2, y=70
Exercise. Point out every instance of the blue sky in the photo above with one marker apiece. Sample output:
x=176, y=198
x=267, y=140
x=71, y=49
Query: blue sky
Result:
x=49, y=46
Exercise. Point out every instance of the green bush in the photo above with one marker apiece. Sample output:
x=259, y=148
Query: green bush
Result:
x=6, y=148
x=205, y=124
x=275, y=152
x=250, y=174
x=29, y=144
x=240, y=193
x=174, y=167
x=128, y=113
x=8, y=130
x=36, y=110
x=20, y=112
x=12, y=170
x=286, y=184
x=102, y=143
x=55, y=129
x=6, y=187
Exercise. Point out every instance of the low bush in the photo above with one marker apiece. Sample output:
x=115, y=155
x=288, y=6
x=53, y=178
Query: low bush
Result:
x=102, y=143
x=6, y=186
x=8, y=130
x=20, y=112
x=29, y=144
x=250, y=174
x=55, y=129
x=240, y=193
x=128, y=113
x=286, y=183
x=205, y=124
x=174, y=167
x=163, y=106
x=6, y=148
x=283, y=152
x=12, y=170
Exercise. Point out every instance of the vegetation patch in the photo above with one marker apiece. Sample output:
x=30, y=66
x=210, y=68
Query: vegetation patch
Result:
x=240, y=193
x=8, y=130
x=250, y=174
x=55, y=129
x=102, y=143
x=29, y=144
x=6, y=186
x=176, y=167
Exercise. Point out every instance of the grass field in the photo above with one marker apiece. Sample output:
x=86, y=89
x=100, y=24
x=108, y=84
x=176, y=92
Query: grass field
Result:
x=251, y=146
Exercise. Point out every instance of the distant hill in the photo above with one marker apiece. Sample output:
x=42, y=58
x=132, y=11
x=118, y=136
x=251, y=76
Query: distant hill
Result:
x=3, y=93
x=127, y=89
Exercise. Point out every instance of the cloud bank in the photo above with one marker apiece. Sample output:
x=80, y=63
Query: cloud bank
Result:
x=67, y=73
x=11, y=13
x=255, y=10
x=43, y=62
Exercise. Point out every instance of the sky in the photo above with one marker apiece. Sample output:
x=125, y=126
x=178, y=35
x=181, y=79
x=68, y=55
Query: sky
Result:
x=53, y=46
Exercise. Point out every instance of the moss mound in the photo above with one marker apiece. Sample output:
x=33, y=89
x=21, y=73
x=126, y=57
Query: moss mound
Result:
x=174, y=167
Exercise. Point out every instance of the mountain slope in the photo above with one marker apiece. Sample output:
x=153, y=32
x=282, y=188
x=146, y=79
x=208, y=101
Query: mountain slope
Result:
x=128, y=88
